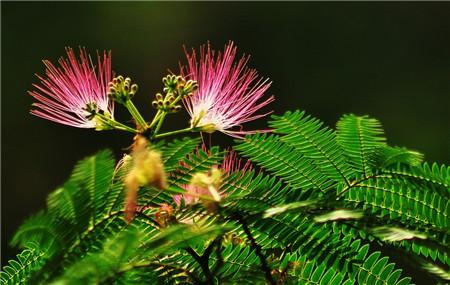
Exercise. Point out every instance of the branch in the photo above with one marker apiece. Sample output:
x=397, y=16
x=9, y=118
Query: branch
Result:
x=203, y=264
x=220, y=260
x=258, y=250
x=217, y=241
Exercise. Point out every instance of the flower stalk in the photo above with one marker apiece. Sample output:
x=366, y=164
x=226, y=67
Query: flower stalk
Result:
x=158, y=136
x=103, y=122
x=176, y=88
x=140, y=121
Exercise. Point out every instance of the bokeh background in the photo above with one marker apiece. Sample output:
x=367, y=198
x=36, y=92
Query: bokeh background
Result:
x=388, y=60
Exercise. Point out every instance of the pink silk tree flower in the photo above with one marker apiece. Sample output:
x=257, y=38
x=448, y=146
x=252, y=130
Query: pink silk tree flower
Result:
x=229, y=93
x=74, y=92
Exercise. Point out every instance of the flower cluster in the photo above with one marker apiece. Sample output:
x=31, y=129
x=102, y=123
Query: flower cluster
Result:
x=218, y=93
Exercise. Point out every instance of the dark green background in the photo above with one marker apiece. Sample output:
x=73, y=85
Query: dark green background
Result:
x=388, y=60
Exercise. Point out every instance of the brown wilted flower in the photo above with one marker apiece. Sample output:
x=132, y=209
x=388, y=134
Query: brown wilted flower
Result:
x=164, y=215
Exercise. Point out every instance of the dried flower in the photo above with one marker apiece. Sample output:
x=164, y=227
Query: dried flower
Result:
x=228, y=94
x=164, y=215
x=75, y=92
x=147, y=169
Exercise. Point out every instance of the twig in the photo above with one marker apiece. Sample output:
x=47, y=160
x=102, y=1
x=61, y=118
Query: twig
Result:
x=257, y=248
x=203, y=264
x=220, y=260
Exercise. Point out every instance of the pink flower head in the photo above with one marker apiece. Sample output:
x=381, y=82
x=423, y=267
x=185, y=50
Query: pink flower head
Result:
x=229, y=93
x=74, y=91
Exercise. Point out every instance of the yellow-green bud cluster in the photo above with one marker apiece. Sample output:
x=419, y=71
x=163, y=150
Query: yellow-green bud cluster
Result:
x=172, y=83
x=121, y=89
x=175, y=87
x=189, y=88
x=166, y=103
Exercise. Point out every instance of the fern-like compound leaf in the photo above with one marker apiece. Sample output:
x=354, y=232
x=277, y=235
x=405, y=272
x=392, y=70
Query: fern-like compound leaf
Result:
x=360, y=137
x=21, y=269
x=200, y=161
x=94, y=174
x=391, y=156
x=176, y=151
x=431, y=177
x=398, y=200
x=315, y=141
x=284, y=161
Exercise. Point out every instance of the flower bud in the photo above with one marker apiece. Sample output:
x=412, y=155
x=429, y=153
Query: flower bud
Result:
x=134, y=88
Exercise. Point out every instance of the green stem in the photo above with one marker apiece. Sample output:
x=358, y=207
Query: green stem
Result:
x=155, y=119
x=158, y=126
x=176, y=100
x=115, y=124
x=173, y=133
x=136, y=115
x=122, y=127
x=160, y=116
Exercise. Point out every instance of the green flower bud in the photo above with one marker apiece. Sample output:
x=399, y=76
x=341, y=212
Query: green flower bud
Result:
x=121, y=90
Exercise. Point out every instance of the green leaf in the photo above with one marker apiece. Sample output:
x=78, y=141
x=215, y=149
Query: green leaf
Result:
x=200, y=161
x=360, y=137
x=437, y=271
x=309, y=137
x=435, y=176
x=284, y=161
x=176, y=151
x=392, y=234
x=286, y=207
x=28, y=262
x=391, y=156
x=398, y=199
x=94, y=175
x=43, y=230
